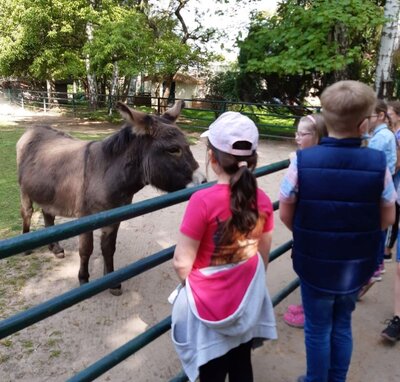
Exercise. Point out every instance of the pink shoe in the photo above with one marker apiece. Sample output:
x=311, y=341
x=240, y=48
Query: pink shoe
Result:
x=295, y=320
x=295, y=309
x=377, y=275
x=382, y=268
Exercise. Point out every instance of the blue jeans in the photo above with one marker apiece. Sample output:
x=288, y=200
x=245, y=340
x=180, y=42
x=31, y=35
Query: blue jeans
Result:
x=381, y=249
x=327, y=332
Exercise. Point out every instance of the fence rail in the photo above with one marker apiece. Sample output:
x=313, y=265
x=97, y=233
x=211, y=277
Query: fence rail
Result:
x=272, y=119
x=19, y=321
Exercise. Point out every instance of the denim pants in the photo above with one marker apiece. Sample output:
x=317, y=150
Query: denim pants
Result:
x=327, y=332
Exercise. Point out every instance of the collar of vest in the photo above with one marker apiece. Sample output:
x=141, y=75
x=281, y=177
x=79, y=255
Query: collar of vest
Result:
x=345, y=142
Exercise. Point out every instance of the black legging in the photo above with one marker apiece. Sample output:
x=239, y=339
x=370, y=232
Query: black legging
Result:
x=392, y=231
x=236, y=363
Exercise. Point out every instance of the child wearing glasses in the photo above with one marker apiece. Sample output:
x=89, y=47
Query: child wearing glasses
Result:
x=310, y=130
x=383, y=139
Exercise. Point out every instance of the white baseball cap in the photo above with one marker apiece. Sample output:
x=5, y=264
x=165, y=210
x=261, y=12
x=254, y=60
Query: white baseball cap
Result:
x=229, y=128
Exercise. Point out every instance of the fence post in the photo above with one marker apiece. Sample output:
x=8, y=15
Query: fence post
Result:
x=22, y=100
x=110, y=104
x=44, y=105
x=73, y=104
x=158, y=106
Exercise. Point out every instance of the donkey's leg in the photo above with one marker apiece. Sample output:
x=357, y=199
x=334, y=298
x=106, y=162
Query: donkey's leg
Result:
x=108, y=240
x=26, y=211
x=53, y=247
x=85, y=251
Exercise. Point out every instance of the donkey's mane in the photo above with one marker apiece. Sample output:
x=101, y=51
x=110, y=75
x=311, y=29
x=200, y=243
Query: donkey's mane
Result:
x=118, y=142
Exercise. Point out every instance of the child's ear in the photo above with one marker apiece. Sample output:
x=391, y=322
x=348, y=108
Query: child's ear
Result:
x=212, y=156
x=363, y=127
x=382, y=116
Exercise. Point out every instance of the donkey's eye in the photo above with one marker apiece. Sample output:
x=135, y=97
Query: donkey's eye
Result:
x=177, y=151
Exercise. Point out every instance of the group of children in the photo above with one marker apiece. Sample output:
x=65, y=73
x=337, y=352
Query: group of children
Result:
x=337, y=196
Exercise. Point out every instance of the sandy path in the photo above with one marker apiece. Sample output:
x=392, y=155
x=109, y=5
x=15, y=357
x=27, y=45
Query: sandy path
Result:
x=62, y=345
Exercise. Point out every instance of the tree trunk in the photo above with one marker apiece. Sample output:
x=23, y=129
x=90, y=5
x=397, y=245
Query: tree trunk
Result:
x=341, y=37
x=91, y=77
x=126, y=88
x=50, y=87
x=166, y=92
x=113, y=89
x=389, y=44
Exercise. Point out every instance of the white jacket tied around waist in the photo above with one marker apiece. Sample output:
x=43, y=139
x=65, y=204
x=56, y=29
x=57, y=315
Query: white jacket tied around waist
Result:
x=198, y=340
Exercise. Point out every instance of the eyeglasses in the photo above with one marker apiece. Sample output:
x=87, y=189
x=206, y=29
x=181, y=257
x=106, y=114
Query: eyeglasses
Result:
x=301, y=135
x=370, y=116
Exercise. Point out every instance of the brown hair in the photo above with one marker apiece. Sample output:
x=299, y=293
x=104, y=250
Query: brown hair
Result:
x=395, y=105
x=245, y=221
x=346, y=103
x=316, y=123
x=382, y=107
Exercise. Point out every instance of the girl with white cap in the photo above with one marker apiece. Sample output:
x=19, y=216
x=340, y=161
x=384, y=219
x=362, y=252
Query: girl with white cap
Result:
x=223, y=308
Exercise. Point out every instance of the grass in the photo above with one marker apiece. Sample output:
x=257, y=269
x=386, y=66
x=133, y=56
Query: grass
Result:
x=10, y=221
x=268, y=123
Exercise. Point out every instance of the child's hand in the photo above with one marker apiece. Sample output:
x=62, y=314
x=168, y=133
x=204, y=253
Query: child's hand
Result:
x=292, y=155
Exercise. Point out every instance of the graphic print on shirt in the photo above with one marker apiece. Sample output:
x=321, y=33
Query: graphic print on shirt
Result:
x=236, y=246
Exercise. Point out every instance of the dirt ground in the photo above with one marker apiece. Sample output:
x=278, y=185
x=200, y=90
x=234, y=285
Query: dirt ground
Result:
x=60, y=346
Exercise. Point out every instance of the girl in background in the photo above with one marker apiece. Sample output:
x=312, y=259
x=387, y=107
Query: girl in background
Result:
x=383, y=139
x=393, y=113
x=310, y=130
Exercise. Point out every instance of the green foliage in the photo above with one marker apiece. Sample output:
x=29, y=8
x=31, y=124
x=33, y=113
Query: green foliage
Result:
x=121, y=36
x=50, y=39
x=42, y=39
x=318, y=40
x=223, y=85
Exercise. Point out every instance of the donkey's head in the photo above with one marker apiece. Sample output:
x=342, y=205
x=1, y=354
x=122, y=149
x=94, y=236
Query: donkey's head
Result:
x=167, y=161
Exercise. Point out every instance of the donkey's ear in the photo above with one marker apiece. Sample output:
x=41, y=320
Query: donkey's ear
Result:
x=141, y=122
x=173, y=113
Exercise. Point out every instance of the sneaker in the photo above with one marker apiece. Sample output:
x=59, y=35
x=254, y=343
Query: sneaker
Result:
x=365, y=288
x=295, y=320
x=377, y=275
x=382, y=268
x=387, y=258
x=392, y=332
x=295, y=309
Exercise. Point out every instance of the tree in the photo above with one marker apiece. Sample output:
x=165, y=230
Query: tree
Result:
x=309, y=44
x=41, y=40
x=385, y=69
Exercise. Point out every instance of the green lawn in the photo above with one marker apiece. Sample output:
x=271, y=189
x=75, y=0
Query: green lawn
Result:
x=269, y=123
x=10, y=221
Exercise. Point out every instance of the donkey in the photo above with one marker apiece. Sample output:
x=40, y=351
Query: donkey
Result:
x=73, y=178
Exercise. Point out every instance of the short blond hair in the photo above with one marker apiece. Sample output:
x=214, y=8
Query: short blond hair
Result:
x=345, y=104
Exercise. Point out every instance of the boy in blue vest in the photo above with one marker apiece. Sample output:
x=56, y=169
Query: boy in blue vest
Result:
x=336, y=198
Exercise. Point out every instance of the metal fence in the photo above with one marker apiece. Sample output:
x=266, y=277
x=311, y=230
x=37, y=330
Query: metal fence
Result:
x=12, y=246
x=272, y=119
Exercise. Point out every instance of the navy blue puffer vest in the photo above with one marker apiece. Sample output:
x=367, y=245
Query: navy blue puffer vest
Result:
x=336, y=228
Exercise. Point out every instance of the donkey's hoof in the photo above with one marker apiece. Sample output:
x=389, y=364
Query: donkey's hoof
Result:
x=83, y=282
x=60, y=255
x=116, y=291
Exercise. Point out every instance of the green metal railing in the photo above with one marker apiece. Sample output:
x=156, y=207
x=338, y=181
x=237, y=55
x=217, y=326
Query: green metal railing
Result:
x=272, y=119
x=32, y=240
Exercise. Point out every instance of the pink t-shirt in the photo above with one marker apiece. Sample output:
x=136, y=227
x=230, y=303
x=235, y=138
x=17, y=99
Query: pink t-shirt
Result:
x=207, y=210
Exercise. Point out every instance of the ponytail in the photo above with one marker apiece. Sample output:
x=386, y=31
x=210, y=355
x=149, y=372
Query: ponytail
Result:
x=245, y=222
